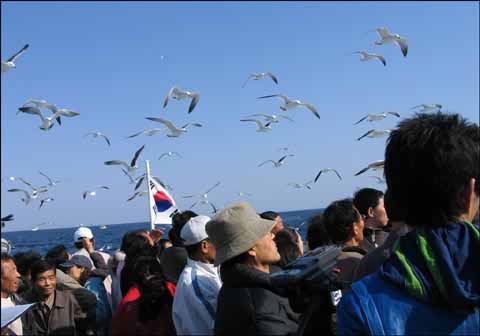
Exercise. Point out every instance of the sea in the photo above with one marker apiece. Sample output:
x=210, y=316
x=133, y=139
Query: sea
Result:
x=109, y=239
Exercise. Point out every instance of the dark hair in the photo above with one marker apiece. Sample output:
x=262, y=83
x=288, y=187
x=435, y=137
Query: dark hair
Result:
x=127, y=239
x=287, y=245
x=366, y=198
x=395, y=213
x=57, y=255
x=338, y=218
x=317, y=234
x=161, y=246
x=40, y=266
x=271, y=215
x=178, y=221
x=429, y=160
x=24, y=261
x=193, y=249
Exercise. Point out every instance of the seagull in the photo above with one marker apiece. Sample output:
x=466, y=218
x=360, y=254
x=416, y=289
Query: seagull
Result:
x=302, y=185
x=7, y=218
x=204, y=198
x=376, y=117
x=93, y=192
x=270, y=118
x=179, y=94
x=377, y=165
x=170, y=154
x=147, y=132
x=261, y=75
x=51, y=182
x=45, y=200
x=260, y=127
x=375, y=134
x=35, y=191
x=214, y=208
x=47, y=122
x=379, y=179
x=99, y=135
x=133, y=165
x=132, y=180
x=365, y=56
x=291, y=104
x=386, y=37
x=142, y=178
x=428, y=107
x=278, y=163
x=28, y=197
x=38, y=226
x=174, y=131
x=137, y=194
x=103, y=227
x=10, y=63
x=41, y=103
x=327, y=170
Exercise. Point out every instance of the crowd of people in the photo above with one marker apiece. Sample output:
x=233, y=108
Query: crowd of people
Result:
x=409, y=260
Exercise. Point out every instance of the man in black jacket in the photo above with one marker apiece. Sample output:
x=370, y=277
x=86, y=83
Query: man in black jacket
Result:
x=247, y=303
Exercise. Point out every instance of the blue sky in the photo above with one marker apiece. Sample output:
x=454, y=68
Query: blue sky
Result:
x=115, y=62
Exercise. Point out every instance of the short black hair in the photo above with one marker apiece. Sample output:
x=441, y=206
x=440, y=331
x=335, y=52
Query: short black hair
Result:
x=429, y=161
x=178, y=222
x=271, y=215
x=57, y=255
x=317, y=234
x=366, y=198
x=25, y=260
x=127, y=239
x=193, y=249
x=39, y=267
x=287, y=245
x=338, y=218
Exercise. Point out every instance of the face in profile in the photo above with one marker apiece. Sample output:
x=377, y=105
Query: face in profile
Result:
x=378, y=215
x=265, y=250
x=10, y=277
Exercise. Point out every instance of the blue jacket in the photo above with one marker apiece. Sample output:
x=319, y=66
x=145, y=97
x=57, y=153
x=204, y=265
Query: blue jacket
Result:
x=103, y=312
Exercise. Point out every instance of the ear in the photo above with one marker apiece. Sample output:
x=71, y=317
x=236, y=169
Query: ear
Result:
x=204, y=247
x=370, y=212
x=252, y=252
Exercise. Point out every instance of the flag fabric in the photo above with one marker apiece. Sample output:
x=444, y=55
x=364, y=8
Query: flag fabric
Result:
x=163, y=204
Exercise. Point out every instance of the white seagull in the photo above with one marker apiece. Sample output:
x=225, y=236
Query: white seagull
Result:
x=327, y=170
x=272, y=118
x=47, y=122
x=377, y=117
x=204, y=198
x=41, y=103
x=386, y=37
x=302, y=185
x=10, y=63
x=175, y=132
x=147, y=132
x=365, y=56
x=93, y=192
x=291, y=104
x=260, y=126
x=179, y=94
x=377, y=165
x=276, y=164
x=99, y=135
x=38, y=226
x=45, y=200
x=132, y=167
x=35, y=190
x=261, y=75
x=373, y=133
x=28, y=197
x=137, y=194
x=428, y=107
x=51, y=182
x=170, y=154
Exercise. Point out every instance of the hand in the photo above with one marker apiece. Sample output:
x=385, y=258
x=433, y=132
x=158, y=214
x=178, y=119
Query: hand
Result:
x=88, y=244
x=156, y=235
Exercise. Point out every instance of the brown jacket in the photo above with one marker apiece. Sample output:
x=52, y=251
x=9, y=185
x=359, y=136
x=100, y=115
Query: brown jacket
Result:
x=348, y=262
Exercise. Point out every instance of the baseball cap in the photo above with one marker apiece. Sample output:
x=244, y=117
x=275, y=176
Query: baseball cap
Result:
x=6, y=246
x=193, y=231
x=82, y=232
x=78, y=260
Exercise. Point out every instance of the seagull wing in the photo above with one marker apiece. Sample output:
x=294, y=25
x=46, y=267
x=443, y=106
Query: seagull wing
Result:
x=27, y=195
x=129, y=176
x=381, y=59
x=139, y=183
x=261, y=164
x=402, y=43
x=163, y=155
x=396, y=114
x=318, y=175
x=195, y=99
x=135, y=157
x=134, y=195
x=193, y=205
x=284, y=157
x=245, y=83
x=362, y=171
x=84, y=194
x=336, y=172
x=17, y=55
x=358, y=122
x=106, y=139
x=213, y=207
x=27, y=183
x=104, y=187
x=417, y=106
x=136, y=134
x=258, y=122
x=313, y=109
x=216, y=185
x=168, y=96
x=48, y=178
x=117, y=162
x=288, y=118
x=383, y=32
x=266, y=116
x=177, y=154
x=166, y=122
x=366, y=134
x=66, y=113
x=285, y=98
x=272, y=76
x=7, y=218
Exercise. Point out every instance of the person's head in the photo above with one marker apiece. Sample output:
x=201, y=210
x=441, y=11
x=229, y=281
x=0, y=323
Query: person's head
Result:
x=162, y=245
x=139, y=245
x=317, y=234
x=80, y=234
x=370, y=203
x=289, y=245
x=173, y=262
x=178, y=221
x=432, y=168
x=239, y=231
x=274, y=216
x=44, y=279
x=24, y=261
x=10, y=276
x=344, y=223
x=57, y=255
x=78, y=267
x=196, y=241
x=6, y=246
x=127, y=239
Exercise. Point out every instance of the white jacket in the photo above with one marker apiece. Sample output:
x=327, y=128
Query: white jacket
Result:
x=195, y=301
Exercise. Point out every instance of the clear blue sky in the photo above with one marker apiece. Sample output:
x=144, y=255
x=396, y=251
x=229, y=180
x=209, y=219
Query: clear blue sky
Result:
x=104, y=60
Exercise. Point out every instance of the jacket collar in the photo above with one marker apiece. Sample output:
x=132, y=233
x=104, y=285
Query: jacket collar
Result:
x=208, y=268
x=241, y=275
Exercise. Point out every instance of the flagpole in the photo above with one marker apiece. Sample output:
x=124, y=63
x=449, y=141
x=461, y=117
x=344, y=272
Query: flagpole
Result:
x=150, y=196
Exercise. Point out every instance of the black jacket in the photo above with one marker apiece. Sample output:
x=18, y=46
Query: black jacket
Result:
x=249, y=305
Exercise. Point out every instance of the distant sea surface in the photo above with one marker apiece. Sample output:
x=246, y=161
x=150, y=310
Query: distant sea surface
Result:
x=109, y=239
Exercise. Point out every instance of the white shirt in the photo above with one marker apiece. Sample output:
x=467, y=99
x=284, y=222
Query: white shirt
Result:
x=195, y=301
x=15, y=326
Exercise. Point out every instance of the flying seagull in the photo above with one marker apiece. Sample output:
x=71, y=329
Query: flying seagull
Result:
x=28, y=197
x=278, y=163
x=10, y=63
x=365, y=56
x=133, y=165
x=327, y=170
x=41, y=103
x=272, y=118
x=7, y=218
x=386, y=38
x=51, y=182
x=147, y=132
x=175, y=132
x=47, y=122
x=132, y=180
x=45, y=200
x=377, y=165
x=375, y=134
x=93, y=192
x=99, y=135
x=170, y=154
x=302, y=185
x=179, y=94
x=261, y=75
x=137, y=194
x=204, y=198
x=428, y=107
x=377, y=117
x=38, y=226
x=291, y=104
x=35, y=190
x=260, y=126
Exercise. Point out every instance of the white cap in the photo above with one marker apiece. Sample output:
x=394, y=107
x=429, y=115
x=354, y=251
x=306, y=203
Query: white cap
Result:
x=193, y=231
x=82, y=232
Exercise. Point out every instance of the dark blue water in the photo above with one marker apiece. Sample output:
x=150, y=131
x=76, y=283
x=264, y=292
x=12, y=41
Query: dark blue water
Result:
x=110, y=238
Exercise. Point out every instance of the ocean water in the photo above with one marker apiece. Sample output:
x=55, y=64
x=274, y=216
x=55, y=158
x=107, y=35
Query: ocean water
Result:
x=109, y=239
